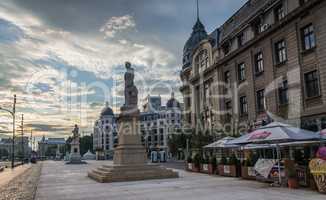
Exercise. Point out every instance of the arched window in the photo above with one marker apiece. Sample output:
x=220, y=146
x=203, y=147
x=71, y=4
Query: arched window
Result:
x=202, y=61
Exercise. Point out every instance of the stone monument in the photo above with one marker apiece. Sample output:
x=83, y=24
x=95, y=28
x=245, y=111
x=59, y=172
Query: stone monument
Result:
x=75, y=157
x=130, y=161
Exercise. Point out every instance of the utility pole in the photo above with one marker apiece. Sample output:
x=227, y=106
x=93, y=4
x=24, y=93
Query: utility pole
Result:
x=31, y=139
x=34, y=146
x=13, y=133
x=22, y=139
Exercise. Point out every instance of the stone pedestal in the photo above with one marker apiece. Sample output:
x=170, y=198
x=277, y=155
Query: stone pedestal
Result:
x=130, y=160
x=75, y=157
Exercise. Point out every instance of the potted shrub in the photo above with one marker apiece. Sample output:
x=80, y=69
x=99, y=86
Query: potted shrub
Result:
x=221, y=165
x=204, y=165
x=212, y=165
x=196, y=163
x=292, y=178
x=231, y=168
x=189, y=164
x=247, y=169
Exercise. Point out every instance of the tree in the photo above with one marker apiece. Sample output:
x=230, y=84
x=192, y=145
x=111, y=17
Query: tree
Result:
x=86, y=143
x=4, y=153
x=176, y=142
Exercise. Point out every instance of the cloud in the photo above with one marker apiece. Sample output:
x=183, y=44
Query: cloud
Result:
x=117, y=24
x=38, y=62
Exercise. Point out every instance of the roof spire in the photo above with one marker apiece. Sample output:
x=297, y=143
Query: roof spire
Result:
x=197, y=10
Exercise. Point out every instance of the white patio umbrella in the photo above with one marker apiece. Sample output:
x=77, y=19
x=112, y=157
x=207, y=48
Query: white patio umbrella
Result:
x=222, y=143
x=276, y=133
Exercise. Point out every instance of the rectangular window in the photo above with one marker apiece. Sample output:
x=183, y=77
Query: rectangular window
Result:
x=226, y=48
x=280, y=51
x=228, y=110
x=227, y=80
x=279, y=12
x=312, y=84
x=260, y=100
x=227, y=77
x=241, y=72
x=308, y=37
x=228, y=106
x=259, y=63
x=243, y=105
x=241, y=39
x=283, y=93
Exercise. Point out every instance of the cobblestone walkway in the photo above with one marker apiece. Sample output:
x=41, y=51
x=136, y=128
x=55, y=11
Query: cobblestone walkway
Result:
x=70, y=182
x=22, y=187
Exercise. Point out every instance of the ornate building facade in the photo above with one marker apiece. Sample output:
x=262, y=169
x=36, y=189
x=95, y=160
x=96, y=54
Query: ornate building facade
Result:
x=265, y=63
x=157, y=122
x=105, y=137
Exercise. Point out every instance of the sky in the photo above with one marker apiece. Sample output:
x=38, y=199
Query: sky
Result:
x=65, y=58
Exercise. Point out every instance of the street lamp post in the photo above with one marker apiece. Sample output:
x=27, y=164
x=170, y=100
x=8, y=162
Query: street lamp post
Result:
x=13, y=130
x=22, y=140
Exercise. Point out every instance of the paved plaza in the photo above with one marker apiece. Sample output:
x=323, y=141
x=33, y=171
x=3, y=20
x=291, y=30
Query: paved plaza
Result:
x=60, y=181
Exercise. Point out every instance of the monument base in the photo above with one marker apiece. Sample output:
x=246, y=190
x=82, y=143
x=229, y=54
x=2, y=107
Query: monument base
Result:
x=123, y=173
x=75, y=158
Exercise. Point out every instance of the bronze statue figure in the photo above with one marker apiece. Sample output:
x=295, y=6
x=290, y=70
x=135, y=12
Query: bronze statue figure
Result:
x=131, y=92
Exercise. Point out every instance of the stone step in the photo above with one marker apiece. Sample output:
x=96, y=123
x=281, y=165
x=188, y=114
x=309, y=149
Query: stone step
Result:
x=130, y=173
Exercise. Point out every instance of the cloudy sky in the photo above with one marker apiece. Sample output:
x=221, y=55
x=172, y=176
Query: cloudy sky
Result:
x=65, y=58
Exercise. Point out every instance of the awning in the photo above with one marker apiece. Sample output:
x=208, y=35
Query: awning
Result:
x=276, y=133
x=222, y=143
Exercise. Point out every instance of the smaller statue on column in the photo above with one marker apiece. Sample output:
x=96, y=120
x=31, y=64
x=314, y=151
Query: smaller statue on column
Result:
x=75, y=157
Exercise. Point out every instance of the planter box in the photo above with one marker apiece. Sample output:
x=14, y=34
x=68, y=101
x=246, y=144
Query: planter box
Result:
x=248, y=173
x=227, y=170
x=207, y=169
x=194, y=168
x=204, y=168
x=211, y=169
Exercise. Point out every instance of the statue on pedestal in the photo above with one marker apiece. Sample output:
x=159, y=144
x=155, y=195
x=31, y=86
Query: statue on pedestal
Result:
x=130, y=159
x=75, y=157
x=131, y=91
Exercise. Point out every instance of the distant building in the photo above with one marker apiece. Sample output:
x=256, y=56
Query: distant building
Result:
x=105, y=137
x=51, y=148
x=21, y=145
x=157, y=122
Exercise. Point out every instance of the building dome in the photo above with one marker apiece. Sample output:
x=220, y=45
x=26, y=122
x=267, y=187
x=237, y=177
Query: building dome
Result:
x=198, y=34
x=107, y=111
x=172, y=102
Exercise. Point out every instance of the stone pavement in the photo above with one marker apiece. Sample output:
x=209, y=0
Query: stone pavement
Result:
x=9, y=174
x=60, y=181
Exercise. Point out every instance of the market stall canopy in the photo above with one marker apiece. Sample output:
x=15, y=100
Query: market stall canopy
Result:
x=277, y=133
x=222, y=143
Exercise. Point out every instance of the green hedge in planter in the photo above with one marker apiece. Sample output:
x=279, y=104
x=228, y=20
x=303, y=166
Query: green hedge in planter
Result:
x=233, y=160
x=213, y=161
x=197, y=160
x=205, y=161
x=223, y=161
